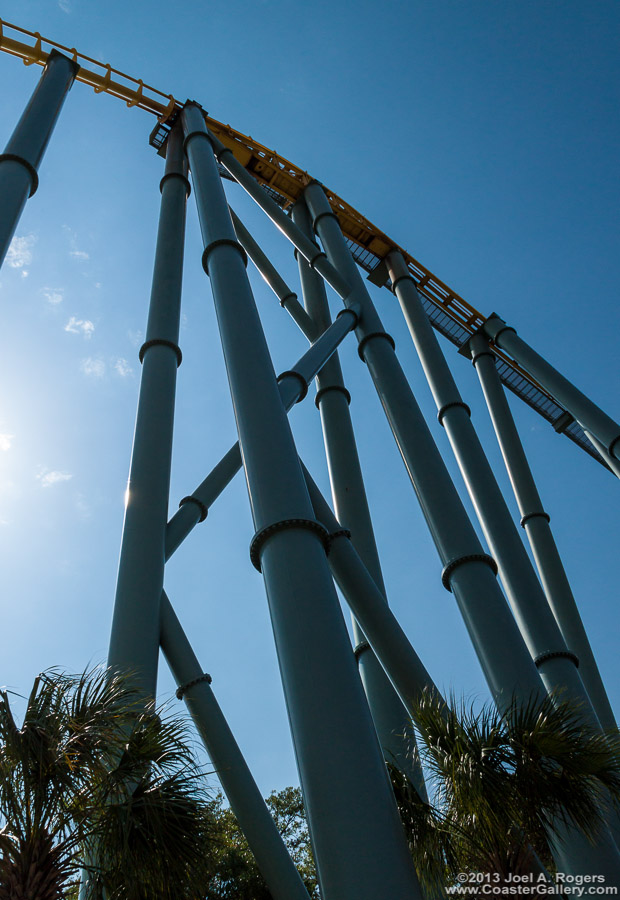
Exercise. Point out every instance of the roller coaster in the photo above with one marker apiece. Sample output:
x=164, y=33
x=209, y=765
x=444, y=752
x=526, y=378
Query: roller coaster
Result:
x=343, y=727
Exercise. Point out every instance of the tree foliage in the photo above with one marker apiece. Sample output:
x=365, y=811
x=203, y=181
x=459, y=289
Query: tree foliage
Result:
x=504, y=784
x=88, y=768
x=93, y=779
x=236, y=875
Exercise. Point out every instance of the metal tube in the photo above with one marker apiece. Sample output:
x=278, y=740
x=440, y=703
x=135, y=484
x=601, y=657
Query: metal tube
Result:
x=392, y=723
x=359, y=844
x=535, y=521
x=537, y=624
x=589, y=416
x=287, y=297
x=246, y=802
x=284, y=223
x=610, y=461
x=23, y=154
x=468, y=571
x=504, y=658
x=292, y=385
x=368, y=604
x=134, y=641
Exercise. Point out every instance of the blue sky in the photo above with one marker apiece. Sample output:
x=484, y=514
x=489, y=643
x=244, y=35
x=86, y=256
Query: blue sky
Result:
x=481, y=136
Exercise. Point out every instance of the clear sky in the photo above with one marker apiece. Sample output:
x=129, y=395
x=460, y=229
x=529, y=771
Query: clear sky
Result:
x=481, y=136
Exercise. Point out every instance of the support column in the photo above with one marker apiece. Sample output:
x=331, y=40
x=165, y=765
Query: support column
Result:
x=287, y=297
x=391, y=720
x=468, y=571
x=535, y=521
x=359, y=844
x=134, y=642
x=540, y=631
x=293, y=387
x=23, y=154
x=246, y=802
x=589, y=416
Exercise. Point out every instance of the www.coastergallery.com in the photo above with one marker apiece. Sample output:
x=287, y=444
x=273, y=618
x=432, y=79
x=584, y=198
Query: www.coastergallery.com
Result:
x=481, y=884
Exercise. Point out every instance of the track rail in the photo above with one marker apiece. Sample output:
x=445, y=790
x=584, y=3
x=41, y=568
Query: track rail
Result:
x=448, y=312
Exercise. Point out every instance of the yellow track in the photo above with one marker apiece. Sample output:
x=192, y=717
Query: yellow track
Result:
x=266, y=166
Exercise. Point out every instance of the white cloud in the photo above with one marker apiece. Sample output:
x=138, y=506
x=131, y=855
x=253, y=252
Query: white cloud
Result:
x=93, y=366
x=25, y=273
x=80, y=326
x=19, y=253
x=48, y=478
x=123, y=368
x=136, y=337
x=53, y=295
x=74, y=251
x=64, y=5
x=6, y=441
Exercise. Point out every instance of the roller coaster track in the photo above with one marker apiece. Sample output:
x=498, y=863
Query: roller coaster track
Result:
x=448, y=312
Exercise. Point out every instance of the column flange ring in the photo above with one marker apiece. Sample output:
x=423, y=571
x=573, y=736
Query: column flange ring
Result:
x=444, y=409
x=169, y=175
x=183, y=688
x=261, y=536
x=556, y=654
x=161, y=342
x=360, y=648
x=332, y=387
x=449, y=568
x=34, y=175
x=304, y=384
x=533, y=515
x=219, y=242
x=201, y=506
x=368, y=337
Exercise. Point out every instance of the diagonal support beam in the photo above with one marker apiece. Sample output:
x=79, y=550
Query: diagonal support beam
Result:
x=293, y=387
x=246, y=801
x=588, y=414
x=287, y=297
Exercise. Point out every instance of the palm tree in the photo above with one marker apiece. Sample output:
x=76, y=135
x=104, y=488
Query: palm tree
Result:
x=86, y=769
x=503, y=784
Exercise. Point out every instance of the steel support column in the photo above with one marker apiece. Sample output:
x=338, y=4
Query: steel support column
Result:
x=468, y=571
x=537, y=624
x=587, y=413
x=134, y=642
x=359, y=844
x=23, y=154
x=535, y=521
x=293, y=387
x=287, y=297
x=392, y=723
x=495, y=635
x=246, y=802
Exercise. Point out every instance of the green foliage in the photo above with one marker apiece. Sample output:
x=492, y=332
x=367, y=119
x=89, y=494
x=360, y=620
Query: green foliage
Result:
x=503, y=785
x=236, y=875
x=86, y=770
x=92, y=778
